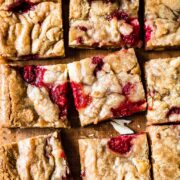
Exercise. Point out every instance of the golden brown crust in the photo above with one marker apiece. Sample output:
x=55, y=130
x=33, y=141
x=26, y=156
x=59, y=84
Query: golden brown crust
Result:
x=165, y=151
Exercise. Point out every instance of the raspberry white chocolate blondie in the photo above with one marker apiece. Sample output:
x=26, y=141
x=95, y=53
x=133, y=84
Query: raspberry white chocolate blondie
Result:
x=107, y=86
x=40, y=157
x=104, y=23
x=162, y=24
x=31, y=29
x=122, y=157
x=165, y=148
x=33, y=96
x=163, y=87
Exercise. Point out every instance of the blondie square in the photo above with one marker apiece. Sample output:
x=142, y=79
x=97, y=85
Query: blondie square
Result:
x=107, y=86
x=122, y=157
x=33, y=96
x=31, y=29
x=162, y=24
x=163, y=88
x=165, y=143
x=104, y=23
x=40, y=157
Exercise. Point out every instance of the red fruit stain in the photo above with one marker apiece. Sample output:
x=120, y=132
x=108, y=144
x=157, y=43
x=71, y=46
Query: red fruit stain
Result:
x=133, y=38
x=21, y=6
x=62, y=155
x=99, y=64
x=121, y=144
x=150, y=108
x=34, y=75
x=83, y=173
x=58, y=95
x=81, y=100
x=128, y=108
x=29, y=74
x=79, y=40
x=148, y=31
x=119, y=15
x=173, y=110
x=128, y=88
x=82, y=28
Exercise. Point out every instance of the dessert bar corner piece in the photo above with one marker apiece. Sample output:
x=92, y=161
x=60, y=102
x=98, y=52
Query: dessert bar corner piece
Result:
x=121, y=157
x=165, y=142
x=104, y=24
x=107, y=86
x=40, y=157
x=163, y=88
x=33, y=96
x=31, y=29
x=162, y=24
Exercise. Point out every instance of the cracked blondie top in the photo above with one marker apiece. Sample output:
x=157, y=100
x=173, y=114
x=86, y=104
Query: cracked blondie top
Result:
x=40, y=157
x=162, y=24
x=124, y=157
x=31, y=29
x=163, y=88
x=104, y=23
x=165, y=149
x=33, y=96
x=107, y=86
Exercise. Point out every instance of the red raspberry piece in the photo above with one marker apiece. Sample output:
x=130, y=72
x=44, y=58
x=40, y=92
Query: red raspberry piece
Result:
x=82, y=28
x=81, y=100
x=29, y=74
x=126, y=90
x=21, y=6
x=133, y=38
x=121, y=144
x=148, y=31
x=99, y=64
x=128, y=108
x=119, y=15
x=79, y=40
x=58, y=95
x=173, y=110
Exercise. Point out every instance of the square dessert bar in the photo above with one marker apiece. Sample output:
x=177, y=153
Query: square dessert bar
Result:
x=31, y=29
x=104, y=23
x=163, y=87
x=122, y=157
x=107, y=86
x=33, y=96
x=165, y=143
x=162, y=24
x=40, y=157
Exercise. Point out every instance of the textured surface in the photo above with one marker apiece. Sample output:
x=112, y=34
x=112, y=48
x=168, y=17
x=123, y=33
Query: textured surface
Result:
x=165, y=151
x=70, y=136
x=162, y=24
x=104, y=23
x=33, y=96
x=163, y=87
x=36, y=158
x=31, y=33
x=98, y=161
x=107, y=86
